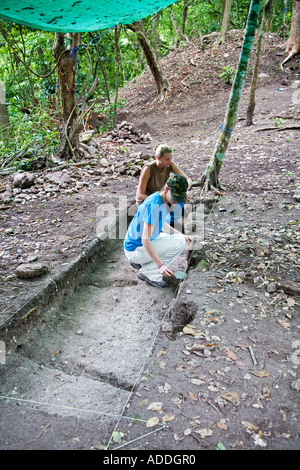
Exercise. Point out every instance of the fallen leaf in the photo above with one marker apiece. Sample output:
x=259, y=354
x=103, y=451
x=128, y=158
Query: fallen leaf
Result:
x=221, y=446
x=231, y=396
x=222, y=425
x=284, y=324
x=258, y=441
x=193, y=397
x=144, y=402
x=161, y=353
x=260, y=373
x=189, y=330
x=204, y=432
x=155, y=406
x=249, y=426
x=197, y=381
x=117, y=436
x=168, y=418
x=231, y=354
x=152, y=422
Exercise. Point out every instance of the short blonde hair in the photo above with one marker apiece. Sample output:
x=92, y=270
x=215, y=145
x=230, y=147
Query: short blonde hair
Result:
x=161, y=149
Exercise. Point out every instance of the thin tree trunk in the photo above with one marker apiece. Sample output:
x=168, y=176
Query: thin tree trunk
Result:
x=69, y=134
x=4, y=117
x=117, y=34
x=186, y=5
x=251, y=105
x=179, y=32
x=161, y=81
x=225, y=23
x=211, y=175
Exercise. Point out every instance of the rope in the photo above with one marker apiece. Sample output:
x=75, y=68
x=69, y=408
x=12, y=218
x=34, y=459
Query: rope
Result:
x=226, y=130
x=34, y=402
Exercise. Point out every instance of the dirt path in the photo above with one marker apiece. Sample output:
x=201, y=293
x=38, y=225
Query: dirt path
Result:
x=75, y=368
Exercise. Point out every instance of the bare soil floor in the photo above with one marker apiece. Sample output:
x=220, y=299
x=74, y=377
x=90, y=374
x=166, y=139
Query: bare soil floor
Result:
x=211, y=363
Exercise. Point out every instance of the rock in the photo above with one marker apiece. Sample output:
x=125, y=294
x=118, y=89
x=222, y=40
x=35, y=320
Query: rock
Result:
x=263, y=76
x=23, y=180
x=9, y=231
x=85, y=137
x=127, y=133
x=92, y=150
x=271, y=288
x=104, y=162
x=8, y=194
x=59, y=178
x=31, y=270
x=296, y=84
x=49, y=188
x=296, y=195
x=31, y=258
x=295, y=385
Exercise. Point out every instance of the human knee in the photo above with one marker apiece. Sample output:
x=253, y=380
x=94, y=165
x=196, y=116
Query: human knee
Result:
x=179, y=241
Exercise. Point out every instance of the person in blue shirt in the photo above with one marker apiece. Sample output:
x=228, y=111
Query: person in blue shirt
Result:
x=152, y=245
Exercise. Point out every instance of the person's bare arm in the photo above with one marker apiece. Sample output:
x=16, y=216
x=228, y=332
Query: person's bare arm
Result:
x=141, y=189
x=178, y=171
x=147, y=244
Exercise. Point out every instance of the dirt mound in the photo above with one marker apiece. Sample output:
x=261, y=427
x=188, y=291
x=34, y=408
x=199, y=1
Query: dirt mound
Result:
x=194, y=72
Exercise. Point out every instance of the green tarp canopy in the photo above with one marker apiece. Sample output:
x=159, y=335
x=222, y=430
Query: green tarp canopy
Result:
x=74, y=16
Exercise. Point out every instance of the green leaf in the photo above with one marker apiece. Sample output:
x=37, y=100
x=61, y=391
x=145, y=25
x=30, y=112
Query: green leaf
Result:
x=221, y=446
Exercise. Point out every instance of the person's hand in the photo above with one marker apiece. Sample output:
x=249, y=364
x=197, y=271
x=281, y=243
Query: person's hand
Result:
x=166, y=270
x=189, y=198
x=189, y=240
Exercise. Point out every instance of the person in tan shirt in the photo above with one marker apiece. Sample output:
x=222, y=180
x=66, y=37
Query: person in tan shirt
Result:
x=155, y=175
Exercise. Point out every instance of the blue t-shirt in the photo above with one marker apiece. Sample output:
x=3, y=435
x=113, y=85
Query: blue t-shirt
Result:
x=152, y=211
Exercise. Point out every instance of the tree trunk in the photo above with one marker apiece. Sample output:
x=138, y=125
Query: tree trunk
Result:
x=292, y=46
x=161, y=81
x=180, y=34
x=251, y=105
x=69, y=134
x=4, y=117
x=211, y=175
x=186, y=5
x=117, y=35
x=225, y=23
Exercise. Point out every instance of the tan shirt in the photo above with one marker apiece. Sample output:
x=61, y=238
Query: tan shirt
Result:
x=158, y=178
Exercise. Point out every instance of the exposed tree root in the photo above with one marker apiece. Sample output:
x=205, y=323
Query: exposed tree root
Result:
x=292, y=54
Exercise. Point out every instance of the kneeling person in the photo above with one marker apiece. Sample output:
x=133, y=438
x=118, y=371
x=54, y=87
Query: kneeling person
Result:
x=150, y=242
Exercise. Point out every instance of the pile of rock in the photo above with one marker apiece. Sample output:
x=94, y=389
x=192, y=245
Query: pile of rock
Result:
x=125, y=133
x=134, y=164
x=88, y=144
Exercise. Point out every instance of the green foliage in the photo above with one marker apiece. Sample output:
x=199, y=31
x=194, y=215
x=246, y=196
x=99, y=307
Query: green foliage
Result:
x=29, y=137
x=227, y=74
x=31, y=100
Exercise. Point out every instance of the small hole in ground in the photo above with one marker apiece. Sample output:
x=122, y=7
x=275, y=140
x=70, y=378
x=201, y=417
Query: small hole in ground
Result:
x=182, y=314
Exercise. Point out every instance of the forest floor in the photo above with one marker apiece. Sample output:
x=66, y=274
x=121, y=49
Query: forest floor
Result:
x=228, y=377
